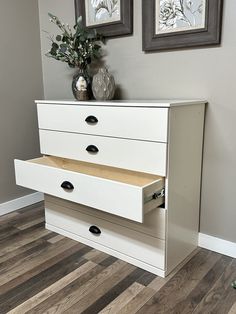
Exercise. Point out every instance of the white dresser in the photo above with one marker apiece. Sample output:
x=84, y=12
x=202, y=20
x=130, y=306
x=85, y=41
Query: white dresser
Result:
x=122, y=177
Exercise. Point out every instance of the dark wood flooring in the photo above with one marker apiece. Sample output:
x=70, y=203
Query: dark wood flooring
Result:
x=42, y=272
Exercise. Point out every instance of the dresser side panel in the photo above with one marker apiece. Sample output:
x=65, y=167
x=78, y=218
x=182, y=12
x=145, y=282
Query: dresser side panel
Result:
x=186, y=126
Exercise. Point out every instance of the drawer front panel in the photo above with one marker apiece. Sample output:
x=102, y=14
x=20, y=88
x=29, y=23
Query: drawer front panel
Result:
x=149, y=157
x=135, y=123
x=114, y=197
x=137, y=245
x=154, y=222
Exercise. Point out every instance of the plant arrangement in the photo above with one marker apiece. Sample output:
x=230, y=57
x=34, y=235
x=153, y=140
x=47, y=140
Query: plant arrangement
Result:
x=76, y=47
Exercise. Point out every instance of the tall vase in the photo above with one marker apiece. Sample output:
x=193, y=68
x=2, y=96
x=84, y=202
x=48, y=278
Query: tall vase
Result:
x=103, y=85
x=81, y=85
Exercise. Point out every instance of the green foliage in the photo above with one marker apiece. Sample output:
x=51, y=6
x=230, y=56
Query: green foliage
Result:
x=78, y=47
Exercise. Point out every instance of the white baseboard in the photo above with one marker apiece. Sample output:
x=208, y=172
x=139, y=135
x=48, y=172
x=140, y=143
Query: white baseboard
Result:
x=217, y=245
x=20, y=202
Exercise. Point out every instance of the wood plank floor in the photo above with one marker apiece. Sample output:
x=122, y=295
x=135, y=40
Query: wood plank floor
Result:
x=42, y=272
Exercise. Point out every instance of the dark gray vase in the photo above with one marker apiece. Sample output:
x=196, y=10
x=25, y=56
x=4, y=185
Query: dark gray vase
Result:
x=103, y=85
x=81, y=85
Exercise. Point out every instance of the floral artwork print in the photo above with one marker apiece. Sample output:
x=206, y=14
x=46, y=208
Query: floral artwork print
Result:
x=102, y=11
x=179, y=15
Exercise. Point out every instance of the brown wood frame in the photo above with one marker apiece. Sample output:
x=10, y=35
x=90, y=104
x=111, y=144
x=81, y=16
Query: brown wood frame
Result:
x=117, y=28
x=210, y=35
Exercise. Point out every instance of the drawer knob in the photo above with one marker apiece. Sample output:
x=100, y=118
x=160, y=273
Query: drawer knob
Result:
x=95, y=230
x=91, y=120
x=66, y=185
x=92, y=149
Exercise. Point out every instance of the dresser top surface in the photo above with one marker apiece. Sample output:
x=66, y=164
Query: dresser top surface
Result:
x=165, y=103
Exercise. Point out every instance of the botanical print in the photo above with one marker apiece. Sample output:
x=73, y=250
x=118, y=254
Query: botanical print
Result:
x=179, y=15
x=102, y=11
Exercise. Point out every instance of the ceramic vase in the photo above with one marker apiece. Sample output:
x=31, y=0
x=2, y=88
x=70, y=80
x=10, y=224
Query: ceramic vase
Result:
x=103, y=85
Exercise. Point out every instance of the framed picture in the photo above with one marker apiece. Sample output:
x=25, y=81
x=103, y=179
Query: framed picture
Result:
x=109, y=17
x=172, y=24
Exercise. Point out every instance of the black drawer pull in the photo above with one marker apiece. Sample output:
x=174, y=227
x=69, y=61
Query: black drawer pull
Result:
x=92, y=149
x=91, y=120
x=95, y=230
x=66, y=185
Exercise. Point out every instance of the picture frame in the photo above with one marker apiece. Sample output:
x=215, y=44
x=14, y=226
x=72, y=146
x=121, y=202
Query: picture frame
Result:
x=165, y=27
x=114, y=18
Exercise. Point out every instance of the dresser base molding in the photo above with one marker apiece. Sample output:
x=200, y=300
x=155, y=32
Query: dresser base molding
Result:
x=126, y=258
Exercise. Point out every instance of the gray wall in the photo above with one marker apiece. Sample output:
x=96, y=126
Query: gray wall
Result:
x=207, y=73
x=57, y=76
x=20, y=84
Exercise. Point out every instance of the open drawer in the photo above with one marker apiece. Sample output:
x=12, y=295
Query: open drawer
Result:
x=124, y=193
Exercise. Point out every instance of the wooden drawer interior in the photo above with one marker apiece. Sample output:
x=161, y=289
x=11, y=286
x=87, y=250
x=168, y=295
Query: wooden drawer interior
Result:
x=100, y=171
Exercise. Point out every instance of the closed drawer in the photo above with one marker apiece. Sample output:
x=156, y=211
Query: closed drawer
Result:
x=154, y=223
x=124, y=193
x=129, y=242
x=142, y=156
x=135, y=123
